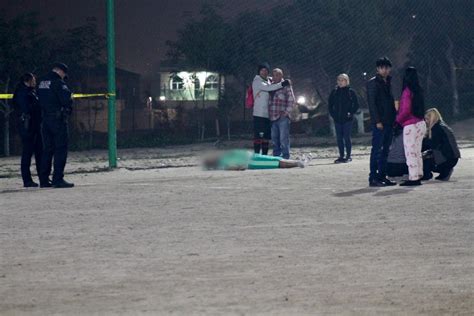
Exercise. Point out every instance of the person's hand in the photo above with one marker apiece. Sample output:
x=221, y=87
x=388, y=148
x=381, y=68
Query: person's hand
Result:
x=397, y=129
x=380, y=126
x=285, y=83
x=427, y=154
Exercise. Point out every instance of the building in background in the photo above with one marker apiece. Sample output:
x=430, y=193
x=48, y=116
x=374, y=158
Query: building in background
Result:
x=189, y=87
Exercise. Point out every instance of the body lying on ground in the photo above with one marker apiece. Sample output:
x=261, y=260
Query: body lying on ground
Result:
x=243, y=160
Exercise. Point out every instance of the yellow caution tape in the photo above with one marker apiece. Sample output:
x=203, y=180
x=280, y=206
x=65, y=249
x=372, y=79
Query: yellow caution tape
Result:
x=7, y=96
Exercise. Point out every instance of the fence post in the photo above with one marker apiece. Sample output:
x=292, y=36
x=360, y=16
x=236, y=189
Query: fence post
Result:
x=112, y=128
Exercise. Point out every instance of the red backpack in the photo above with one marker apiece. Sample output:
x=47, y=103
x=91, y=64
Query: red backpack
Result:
x=249, y=101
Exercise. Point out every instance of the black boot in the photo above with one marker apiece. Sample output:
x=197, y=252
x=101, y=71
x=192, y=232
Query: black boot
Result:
x=410, y=183
x=427, y=176
x=30, y=184
x=62, y=184
x=387, y=182
x=445, y=176
x=46, y=184
x=375, y=183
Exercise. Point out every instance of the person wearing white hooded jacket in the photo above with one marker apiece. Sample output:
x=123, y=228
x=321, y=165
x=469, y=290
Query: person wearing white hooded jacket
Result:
x=261, y=87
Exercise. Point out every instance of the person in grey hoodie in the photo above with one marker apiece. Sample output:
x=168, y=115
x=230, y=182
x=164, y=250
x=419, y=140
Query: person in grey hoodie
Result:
x=261, y=87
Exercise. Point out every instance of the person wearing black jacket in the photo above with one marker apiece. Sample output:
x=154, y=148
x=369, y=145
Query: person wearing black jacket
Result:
x=28, y=111
x=56, y=105
x=382, y=115
x=441, y=150
x=343, y=104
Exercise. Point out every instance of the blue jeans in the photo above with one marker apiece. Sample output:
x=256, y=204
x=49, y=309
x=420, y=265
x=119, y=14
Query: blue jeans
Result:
x=343, y=136
x=281, y=137
x=381, y=140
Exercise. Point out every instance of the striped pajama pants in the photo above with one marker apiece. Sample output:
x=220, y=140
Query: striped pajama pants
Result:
x=413, y=135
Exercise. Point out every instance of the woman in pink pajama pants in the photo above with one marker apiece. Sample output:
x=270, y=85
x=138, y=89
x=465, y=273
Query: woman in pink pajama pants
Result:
x=411, y=117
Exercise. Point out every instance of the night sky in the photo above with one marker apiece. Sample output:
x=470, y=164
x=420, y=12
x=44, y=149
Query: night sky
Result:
x=142, y=26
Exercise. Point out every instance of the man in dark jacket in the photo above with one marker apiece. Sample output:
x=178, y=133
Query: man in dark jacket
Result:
x=28, y=116
x=56, y=104
x=382, y=114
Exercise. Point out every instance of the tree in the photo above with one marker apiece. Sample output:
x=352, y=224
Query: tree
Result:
x=21, y=51
x=442, y=44
x=24, y=49
x=319, y=39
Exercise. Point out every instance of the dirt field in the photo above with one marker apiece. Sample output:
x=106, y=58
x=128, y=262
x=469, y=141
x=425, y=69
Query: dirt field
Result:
x=283, y=242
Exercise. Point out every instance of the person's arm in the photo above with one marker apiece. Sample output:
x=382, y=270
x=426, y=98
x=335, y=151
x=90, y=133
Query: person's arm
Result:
x=290, y=101
x=259, y=85
x=63, y=94
x=21, y=100
x=405, y=107
x=426, y=144
x=331, y=104
x=371, y=100
x=355, y=102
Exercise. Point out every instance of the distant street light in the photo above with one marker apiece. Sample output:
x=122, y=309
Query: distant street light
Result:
x=162, y=98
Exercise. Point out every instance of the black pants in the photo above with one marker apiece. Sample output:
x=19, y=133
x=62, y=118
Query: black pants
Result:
x=55, y=139
x=261, y=134
x=381, y=140
x=343, y=136
x=32, y=145
x=396, y=169
x=443, y=169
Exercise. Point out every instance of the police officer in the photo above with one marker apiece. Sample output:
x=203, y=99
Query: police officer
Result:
x=56, y=104
x=28, y=116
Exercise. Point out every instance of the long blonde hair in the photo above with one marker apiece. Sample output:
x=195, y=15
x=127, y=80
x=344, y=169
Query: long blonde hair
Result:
x=432, y=116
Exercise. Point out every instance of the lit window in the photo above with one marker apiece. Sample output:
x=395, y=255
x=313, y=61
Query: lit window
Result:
x=176, y=83
x=212, y=82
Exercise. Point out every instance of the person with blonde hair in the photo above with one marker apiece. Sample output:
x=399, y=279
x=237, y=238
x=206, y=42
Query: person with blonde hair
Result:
x=343, y=105
x=442, y=151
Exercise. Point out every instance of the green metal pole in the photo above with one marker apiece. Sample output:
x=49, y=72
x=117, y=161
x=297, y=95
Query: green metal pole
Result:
x=112, y=128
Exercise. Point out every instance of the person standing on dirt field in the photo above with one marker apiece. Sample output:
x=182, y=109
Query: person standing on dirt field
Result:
x=281, y=104
x=261, y=87
x=56, y=105
x=28, y=109
x=343, y=105
x=382, y=116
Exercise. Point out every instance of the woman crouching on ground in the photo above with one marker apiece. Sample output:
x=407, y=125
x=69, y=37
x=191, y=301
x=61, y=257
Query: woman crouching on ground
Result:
x=442, y=152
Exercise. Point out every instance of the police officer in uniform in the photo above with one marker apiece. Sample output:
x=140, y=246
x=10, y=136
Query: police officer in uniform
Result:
x=56, y=104
x=28, y=116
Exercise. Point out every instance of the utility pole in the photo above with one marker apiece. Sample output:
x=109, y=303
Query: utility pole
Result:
x=112, y=127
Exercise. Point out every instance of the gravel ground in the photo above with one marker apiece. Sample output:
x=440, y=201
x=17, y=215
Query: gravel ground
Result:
x=282, y=242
